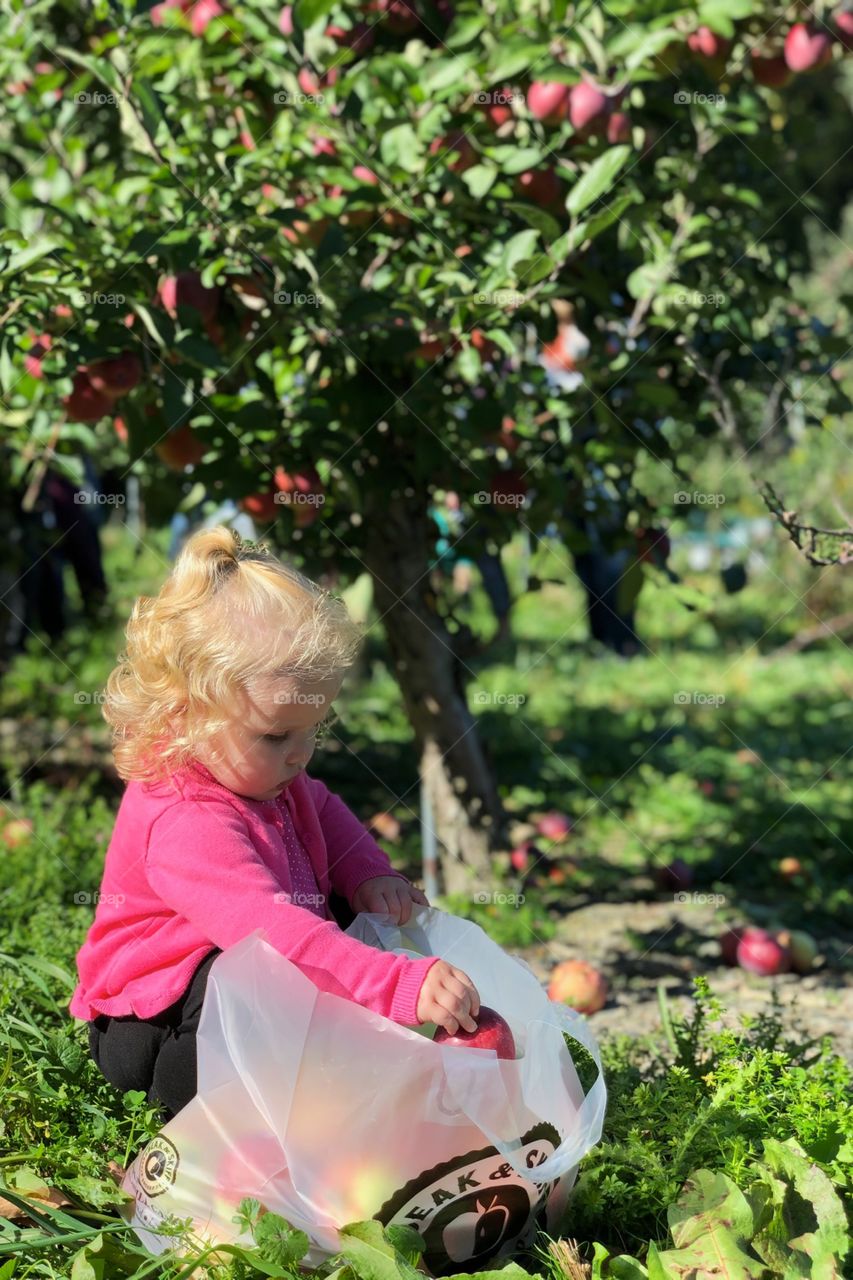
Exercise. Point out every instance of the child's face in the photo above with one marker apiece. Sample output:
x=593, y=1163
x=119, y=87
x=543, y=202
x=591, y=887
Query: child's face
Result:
x=270, y=737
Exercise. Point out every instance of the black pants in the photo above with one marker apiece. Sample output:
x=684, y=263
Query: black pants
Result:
x=158, y=1055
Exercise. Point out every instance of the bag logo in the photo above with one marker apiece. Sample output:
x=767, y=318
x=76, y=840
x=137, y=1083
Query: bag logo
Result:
x=158, y=1166
x=471, y=1208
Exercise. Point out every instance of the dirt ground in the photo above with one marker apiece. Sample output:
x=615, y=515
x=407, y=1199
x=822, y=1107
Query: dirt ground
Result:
x=638, y=945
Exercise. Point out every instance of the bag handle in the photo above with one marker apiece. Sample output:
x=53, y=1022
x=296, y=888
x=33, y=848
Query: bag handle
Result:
x=590, y=1118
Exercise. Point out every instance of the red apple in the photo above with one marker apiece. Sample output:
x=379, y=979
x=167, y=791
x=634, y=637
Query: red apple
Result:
x=455, y=141
x=285, y=20
x=18, y=832
x=759, y=952
x=32, y=360
x=120, y=427
x=709, y=45
x=790, y=868
x=359, y=37
x=116, y=376
x=397, y=16
x=180, y=448
x=363, y=174
x=520, y=857
x=498, y=109
x=771, y=70
x=677, y=876
x=843, y=21
x=807, y=48
x=202, y=13
x=489, y=351
x=800, y=946
x=554, y=826
x=493, y=1032
x=579, y=985
x=186, y=290
x=542, y=186
x=729, y=942
x=588, y=107
x=85, y=404
x=619, y=127
x=548, y=101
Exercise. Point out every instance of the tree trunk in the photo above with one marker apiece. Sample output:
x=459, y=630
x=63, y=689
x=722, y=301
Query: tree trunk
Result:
x=455, y=770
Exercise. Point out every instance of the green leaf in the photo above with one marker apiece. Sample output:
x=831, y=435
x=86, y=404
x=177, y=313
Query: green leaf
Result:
x=371, y=1253
x=519, y=248
x=597, y=179
x=545, y=223
x=806, y=1196
x=513, y=160
x=711, y=1224
x=38, y=247
x=480, y=179
x=152, y=321
x=101, y=68
x=307, y=12
x=279, y=1242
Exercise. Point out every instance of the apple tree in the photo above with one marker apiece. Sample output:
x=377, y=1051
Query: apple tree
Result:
x=325, y=259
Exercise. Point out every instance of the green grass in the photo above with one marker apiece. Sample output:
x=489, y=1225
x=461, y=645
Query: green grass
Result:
x=731, y=786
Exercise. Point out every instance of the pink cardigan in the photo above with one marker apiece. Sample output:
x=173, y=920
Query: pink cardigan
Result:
x=193, y=866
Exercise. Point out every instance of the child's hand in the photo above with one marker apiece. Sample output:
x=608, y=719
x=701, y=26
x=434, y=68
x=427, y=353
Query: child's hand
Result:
x=448, y=998
x=388, y=893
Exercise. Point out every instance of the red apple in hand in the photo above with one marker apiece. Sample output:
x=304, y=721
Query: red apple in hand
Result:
x=492, y=1033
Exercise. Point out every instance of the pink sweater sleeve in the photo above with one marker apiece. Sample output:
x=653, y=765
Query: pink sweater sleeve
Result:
x=202, y=863
x=354, y=856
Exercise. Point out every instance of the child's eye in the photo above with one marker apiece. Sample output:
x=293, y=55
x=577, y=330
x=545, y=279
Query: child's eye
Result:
x=276, y=737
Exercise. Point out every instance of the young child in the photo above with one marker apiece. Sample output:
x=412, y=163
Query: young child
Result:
x=215, y=709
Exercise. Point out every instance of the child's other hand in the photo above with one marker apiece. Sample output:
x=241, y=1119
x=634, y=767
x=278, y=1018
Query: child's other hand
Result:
x=388, y=893
x=448, y=998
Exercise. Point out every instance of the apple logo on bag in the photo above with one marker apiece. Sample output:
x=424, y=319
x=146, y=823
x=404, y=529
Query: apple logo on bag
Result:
x=475, y=1206
x=158, y=1166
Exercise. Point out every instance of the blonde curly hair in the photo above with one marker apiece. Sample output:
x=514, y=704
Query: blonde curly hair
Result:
x=230, y=614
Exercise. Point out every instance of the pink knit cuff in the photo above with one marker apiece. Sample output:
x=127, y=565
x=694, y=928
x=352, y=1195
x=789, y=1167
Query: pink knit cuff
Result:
x=404, y=1006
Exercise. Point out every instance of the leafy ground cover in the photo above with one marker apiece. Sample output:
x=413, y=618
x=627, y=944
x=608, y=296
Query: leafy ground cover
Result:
x=726, y=1136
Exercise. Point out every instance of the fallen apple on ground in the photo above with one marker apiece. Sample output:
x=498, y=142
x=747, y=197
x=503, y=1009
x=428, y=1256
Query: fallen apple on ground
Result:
x=729, y=941
x=579, y=985
x=759, y=952
x=801, y=948
x=493, y=1032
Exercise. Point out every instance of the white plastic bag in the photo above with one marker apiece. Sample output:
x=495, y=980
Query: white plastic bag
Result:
x=328, y=1113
